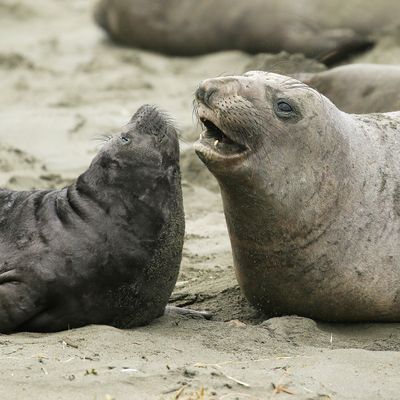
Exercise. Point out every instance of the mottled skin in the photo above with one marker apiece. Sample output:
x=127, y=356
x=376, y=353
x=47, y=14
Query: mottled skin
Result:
x=105, y=249
x=330, y=29
x=311, y=198
x=359, y=88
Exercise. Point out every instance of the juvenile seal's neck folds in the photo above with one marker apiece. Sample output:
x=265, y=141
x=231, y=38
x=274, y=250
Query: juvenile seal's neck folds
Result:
x=308, y=212
x=107, y=248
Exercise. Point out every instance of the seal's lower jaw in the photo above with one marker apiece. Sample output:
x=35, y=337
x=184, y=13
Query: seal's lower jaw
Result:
x=215, y=145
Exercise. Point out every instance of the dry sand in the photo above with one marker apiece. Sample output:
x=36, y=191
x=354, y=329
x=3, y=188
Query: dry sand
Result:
x=63, y=86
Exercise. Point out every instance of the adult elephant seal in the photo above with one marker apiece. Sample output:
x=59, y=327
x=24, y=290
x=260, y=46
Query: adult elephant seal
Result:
x=330, y=29
x=359, y=88
x=106, y=249
x=311, y=197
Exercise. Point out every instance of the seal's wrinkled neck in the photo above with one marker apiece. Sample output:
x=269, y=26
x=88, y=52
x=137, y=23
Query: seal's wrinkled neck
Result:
x=281, y=205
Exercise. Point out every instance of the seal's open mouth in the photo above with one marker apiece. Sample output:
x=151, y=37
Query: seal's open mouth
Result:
x=218, y=142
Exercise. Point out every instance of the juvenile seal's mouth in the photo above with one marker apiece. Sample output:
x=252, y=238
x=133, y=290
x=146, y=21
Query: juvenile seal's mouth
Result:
x=215, y=143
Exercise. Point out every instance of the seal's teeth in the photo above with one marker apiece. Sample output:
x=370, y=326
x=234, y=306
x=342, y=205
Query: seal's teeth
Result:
x=216, y=143
x=201, y=135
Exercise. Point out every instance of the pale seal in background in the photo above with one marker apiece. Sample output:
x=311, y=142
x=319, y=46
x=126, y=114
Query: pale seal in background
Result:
x=106, y=249
x=311, y=197
x=359, y=88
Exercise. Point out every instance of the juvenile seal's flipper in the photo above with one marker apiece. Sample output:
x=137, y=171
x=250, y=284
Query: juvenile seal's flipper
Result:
x=18, y=304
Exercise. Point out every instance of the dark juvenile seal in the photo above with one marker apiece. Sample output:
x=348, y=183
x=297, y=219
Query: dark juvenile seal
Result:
x=359, y=88
x=311, y=197
x=105, y=249
x=327, y=29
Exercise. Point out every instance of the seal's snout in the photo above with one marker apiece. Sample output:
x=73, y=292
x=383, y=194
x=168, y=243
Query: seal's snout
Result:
x=218, y=141
x=149, y=120
x=152, y=131
x=144, y=116
x=210, y=91
x=206, y=91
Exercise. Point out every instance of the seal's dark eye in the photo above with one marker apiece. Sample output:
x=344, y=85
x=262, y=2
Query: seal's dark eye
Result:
x=284, y=107
x=125, y=140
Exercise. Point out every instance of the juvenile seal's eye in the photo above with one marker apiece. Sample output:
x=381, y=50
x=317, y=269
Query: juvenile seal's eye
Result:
x=125, y=140
x=283, y=106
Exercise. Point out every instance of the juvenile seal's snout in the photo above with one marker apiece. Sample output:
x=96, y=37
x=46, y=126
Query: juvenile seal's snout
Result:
x=148, y=119
x=153, y=132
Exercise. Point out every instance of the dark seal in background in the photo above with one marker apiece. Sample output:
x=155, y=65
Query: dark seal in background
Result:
x=330, y=30
x=106, y=249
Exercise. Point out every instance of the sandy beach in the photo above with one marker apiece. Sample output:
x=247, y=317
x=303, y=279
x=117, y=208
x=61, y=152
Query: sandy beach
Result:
x=64, y=86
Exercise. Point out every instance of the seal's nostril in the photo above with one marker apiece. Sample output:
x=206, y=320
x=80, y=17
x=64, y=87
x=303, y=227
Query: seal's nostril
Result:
x=200, y=92
x=209, y=93
x=204, y=94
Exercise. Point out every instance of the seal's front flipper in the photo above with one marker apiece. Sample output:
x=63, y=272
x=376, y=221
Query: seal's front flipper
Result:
x=344, y=43
x=18, y=303
x=328, y=46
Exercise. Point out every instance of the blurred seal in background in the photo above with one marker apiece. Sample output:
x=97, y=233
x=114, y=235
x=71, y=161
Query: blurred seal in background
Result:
x=330, y=30
x=359, y=88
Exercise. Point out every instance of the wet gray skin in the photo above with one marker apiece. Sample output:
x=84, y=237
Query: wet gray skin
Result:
x=310, y=194
x=105, y=249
